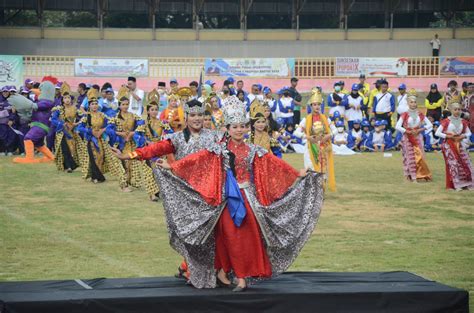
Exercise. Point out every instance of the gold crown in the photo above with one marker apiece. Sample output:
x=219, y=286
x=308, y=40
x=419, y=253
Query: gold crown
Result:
x=123, y=92
x=184, y=92
x=412, y=92
x=65, y=89
x=316, y=96
x=153, y=97
x=93, y=94
x=255, y=108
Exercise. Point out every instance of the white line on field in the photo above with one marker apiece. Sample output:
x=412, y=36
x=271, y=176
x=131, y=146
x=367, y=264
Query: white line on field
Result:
x=130, y=268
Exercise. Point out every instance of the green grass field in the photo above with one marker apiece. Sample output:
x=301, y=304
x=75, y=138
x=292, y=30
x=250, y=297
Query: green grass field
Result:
x=57, y=226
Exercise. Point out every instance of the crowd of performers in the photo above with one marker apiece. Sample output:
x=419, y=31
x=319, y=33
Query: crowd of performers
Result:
x=234, y=208
x=82, y=131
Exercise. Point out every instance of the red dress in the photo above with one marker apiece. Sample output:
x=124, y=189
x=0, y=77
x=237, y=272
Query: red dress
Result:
x=238, y=249
x=241, y=249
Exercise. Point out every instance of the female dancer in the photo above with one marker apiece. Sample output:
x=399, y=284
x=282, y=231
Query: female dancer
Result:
x=127, y=133
x=459, y=172
x=154, y=132
x=315, y=127
x=248, y=216
x=260, y=134
x=68, y=144
x=411, y=125
x=97, y=157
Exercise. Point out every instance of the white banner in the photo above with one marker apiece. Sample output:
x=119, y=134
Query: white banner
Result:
x=380, y=67
x=272, y=67
x=111, y=67
x=11, y=70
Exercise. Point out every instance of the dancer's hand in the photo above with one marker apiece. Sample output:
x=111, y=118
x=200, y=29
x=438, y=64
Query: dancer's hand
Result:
x=164, y=164
x=119, y=154
x=303, y=172
x=314, y=139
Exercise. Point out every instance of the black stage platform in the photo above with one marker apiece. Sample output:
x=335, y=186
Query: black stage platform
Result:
x=291, y=292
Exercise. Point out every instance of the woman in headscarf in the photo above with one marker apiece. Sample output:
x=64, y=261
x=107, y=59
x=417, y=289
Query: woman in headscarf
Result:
x=434, y=102
x=453, y=130
x=411, y=125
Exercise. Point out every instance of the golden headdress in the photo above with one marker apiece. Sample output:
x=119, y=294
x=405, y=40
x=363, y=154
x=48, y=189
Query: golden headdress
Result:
x=65, y=89
x=93, y=95
x=255, y=108
x=153, y=97
x=184, y=92
x=316, y=96
x=122, y=93
x=412, y=94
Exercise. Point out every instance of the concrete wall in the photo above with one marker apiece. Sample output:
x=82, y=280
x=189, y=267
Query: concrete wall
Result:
x=230, y=43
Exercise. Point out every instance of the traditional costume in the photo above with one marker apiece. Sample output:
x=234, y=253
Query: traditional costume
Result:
x=181, y=143
x=155, y=129
x=414, y=163
x=318, y=156
x=39, y=121
x=178, y=145
x=9, y=138
x=127, y=123
x=238, y=208
x=265, y=138
x=459, y=171
x=69, y=146
x=97, y=159
x=174, y=116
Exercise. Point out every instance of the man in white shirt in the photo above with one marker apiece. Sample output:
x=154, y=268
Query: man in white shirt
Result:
x=402, y=106
x=384, y=104
x=436, y=45
x=136, y=97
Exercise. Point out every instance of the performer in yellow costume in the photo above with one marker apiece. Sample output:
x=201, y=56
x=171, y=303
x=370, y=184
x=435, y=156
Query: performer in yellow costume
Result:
x=318, y=154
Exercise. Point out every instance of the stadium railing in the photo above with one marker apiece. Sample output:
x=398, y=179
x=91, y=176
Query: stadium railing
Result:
x=323, y=67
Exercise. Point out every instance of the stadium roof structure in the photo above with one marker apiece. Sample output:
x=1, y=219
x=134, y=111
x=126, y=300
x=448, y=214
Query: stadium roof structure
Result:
x=243, y=14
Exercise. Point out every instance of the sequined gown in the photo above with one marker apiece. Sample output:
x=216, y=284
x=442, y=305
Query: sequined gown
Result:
x=129, y=122
x=154, y=131
x=97, y=158
x=68, y=144
x=281, y=212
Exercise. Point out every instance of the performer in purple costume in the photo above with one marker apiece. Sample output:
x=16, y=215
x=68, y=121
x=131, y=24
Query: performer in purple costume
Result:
x=39, y=122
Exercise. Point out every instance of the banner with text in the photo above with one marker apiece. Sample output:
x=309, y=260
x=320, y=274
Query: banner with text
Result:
x=273, y=67
x=459, y=66
x=380, y=67
x=11, y=70
x=111, y=67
